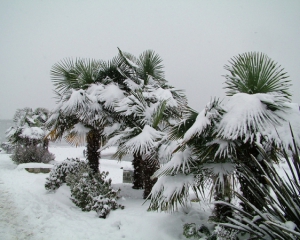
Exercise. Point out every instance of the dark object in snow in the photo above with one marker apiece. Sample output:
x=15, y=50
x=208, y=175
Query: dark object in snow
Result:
x=38, y=170
x=127, y=176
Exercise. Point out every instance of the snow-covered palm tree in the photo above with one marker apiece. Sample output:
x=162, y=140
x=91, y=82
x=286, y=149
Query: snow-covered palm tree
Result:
x=213, y=143
x=147, y=111
x=86, y=92
x=258, y=111
x=29, y=127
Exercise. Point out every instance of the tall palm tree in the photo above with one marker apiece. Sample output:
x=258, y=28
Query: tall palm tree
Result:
x=149, y=104
x=263, y=86
x=228, y=133
x=82, y=111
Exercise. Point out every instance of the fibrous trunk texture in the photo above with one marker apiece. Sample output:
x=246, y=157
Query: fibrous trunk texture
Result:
x=93, y=145
x=221, y=211
x=247, y=160
x=138, y=172
x=150, y=167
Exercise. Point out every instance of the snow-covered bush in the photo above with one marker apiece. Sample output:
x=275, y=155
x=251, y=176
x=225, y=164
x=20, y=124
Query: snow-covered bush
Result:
x=91, y=191
x=7, y=147
x=191, y=230
x=27, y=139
x=59, y=172
x=27, y=154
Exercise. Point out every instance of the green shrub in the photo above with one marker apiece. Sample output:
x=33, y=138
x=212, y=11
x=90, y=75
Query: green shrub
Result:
x=31, y=153
x=91, y=191
x=59, y=172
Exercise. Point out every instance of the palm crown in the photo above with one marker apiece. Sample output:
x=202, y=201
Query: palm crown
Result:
x=256, y=73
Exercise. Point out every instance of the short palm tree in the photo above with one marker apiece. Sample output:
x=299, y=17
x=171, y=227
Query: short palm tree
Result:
x=86, y=91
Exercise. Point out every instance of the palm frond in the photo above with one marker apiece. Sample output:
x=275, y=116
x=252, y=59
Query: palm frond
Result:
x=150, y=65
x=74, y=74
x=256, y=73
x=279, y=216
x=189, y=118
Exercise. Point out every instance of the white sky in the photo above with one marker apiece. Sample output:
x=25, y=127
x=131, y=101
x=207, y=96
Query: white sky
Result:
x=194, y=38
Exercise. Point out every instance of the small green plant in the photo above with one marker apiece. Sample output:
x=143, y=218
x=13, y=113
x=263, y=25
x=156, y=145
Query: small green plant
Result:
x=59, y=172
x=91, y=191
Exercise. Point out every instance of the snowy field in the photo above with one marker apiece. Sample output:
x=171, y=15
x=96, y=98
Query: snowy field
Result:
x=28, y=211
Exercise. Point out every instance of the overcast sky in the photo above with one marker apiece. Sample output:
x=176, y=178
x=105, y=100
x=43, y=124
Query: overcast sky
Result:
x=195, y=39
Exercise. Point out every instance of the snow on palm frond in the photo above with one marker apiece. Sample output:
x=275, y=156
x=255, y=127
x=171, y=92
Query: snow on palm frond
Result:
x=144, y=142
x=224, y=147
x=109, y=130
x=178, y=130
x=125, y=106
x=77, y=135
x=218, y=171
x=33, y=133
x=204, y=119
x=110, y=95
x=281, y=134
x=168, y=191
x=95, y=89
x=246, y=117
x=132, y=85
x=166, y=150
x=76, y=102
x=181, y=161
x=116, y=140
x=160, y=94
x=69, y=74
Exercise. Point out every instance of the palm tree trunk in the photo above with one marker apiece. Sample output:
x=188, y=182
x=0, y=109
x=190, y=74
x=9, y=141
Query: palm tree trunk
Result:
x=93, y=145
x=248, y=161
x=221, y=211
x=150, y=167
x=138, y=171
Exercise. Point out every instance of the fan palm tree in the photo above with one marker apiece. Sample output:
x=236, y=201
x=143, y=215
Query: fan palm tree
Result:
x=263, y=86
x=146, y=111
x=82, y=111
x=198, y=161
x=225, y=135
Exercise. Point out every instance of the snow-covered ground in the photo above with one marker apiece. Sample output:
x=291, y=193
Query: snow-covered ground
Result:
x=28, y=211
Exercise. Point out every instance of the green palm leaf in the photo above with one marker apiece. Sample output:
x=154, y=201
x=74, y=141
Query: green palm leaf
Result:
x=150, y=65
x=256, y=73
x=69, y=74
